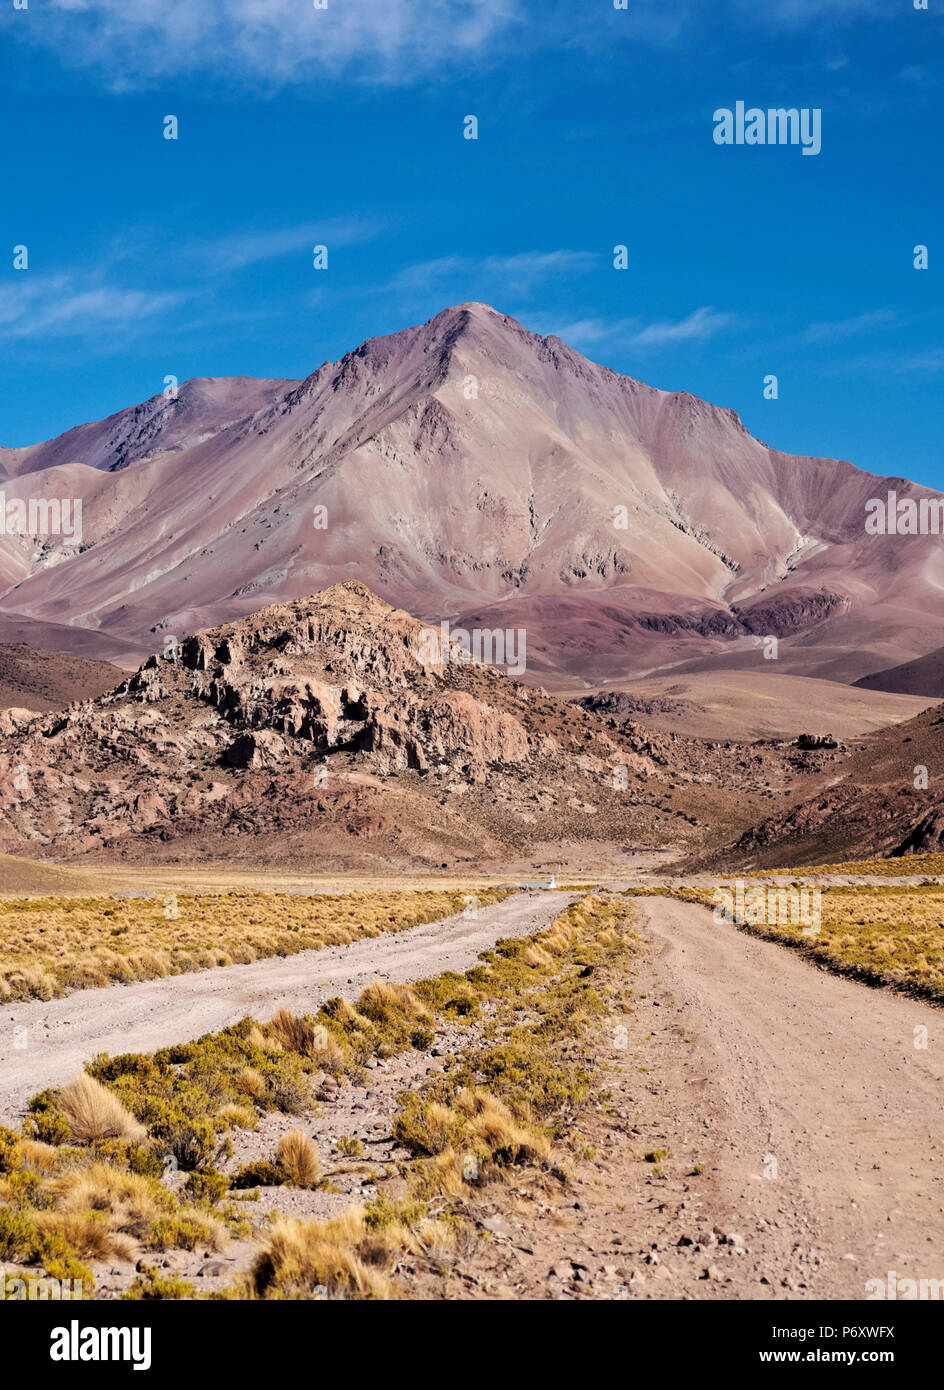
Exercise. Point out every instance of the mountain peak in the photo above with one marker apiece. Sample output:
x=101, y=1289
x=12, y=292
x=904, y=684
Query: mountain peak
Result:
x=466, y=468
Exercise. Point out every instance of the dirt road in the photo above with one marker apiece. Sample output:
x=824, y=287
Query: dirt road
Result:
x=62, y=1034
x=811, y=1103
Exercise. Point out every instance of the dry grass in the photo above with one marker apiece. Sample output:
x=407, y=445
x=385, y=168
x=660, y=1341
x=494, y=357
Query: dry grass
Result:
x=93, y=1112
x=250, y=1082
x=911, y=866
x=298, y=1158
x=492, y=1126
x=334, y=1259
x=385, y=1003
x=50, y=946
x=888, y=934
x=286, y=1032
x=69, y=1206
x=88, y=1232
x=128, y=1199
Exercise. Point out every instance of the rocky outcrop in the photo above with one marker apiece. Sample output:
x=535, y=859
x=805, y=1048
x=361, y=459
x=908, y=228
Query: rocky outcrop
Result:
x=327, y=717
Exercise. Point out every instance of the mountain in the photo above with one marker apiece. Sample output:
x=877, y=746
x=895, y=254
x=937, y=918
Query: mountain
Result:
x=40, y=680
x=923, y=676
x=329, y=731
x=883, y=798
x=471, y=470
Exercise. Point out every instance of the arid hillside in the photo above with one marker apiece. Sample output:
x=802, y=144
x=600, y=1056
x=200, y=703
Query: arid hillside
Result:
x=39, y=680
x=884, y=797
x=329, y=732
x=468, y=468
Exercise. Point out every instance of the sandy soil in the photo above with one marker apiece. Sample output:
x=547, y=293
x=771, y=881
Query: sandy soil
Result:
x=744, y=705
x=822, y=1076
x=62, y=1034
x=802, y=1134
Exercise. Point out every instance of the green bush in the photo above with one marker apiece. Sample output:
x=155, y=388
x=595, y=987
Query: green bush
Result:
x=261, y=1173
x=206, y=1185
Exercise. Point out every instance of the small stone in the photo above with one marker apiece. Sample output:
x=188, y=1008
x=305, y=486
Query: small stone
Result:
x=496, y=1226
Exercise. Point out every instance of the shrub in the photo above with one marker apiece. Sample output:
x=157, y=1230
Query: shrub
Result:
x=93, y=1112
x=183, y=1232
x=425, y=1126
x=45, y=1121
x=298, y=1159
x=398, y=1013
x=206, y=1185
x=152, y=1285
x=340, y=1259
x=261, y=1173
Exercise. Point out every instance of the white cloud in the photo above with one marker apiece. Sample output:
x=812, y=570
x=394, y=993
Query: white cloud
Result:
x=270, y=42
x=704, y=323
x=490, y=275
x=240, y=249
x=826, y=332
x=62, y=306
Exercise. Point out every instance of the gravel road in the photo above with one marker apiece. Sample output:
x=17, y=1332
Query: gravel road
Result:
x=61, y=1034
x=824, y=1116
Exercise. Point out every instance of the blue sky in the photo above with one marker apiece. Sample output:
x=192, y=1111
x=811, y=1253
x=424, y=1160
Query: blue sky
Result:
x=344, y=126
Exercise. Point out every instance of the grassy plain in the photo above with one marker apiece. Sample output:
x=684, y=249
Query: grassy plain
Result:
x=50, y=946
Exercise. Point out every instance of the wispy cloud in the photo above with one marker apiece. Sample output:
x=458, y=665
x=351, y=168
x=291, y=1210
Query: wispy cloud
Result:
x=698, y=326
x=273, y=43
x=839, y=329
x=237, y=250
x=790, y=13
x=91, y=301
x=63, y=306
x=270, y=42
x=493, y=276
x=703, y=323
x=923, y=362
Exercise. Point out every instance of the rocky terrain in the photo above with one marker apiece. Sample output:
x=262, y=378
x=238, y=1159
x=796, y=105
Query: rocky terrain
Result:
x=340, y=733
x=327, y=732
x=40, y=680
x=467, y=468
x=884, y=797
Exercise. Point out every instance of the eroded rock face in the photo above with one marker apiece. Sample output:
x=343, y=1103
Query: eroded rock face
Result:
x=262, y=749
x=299, y=714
